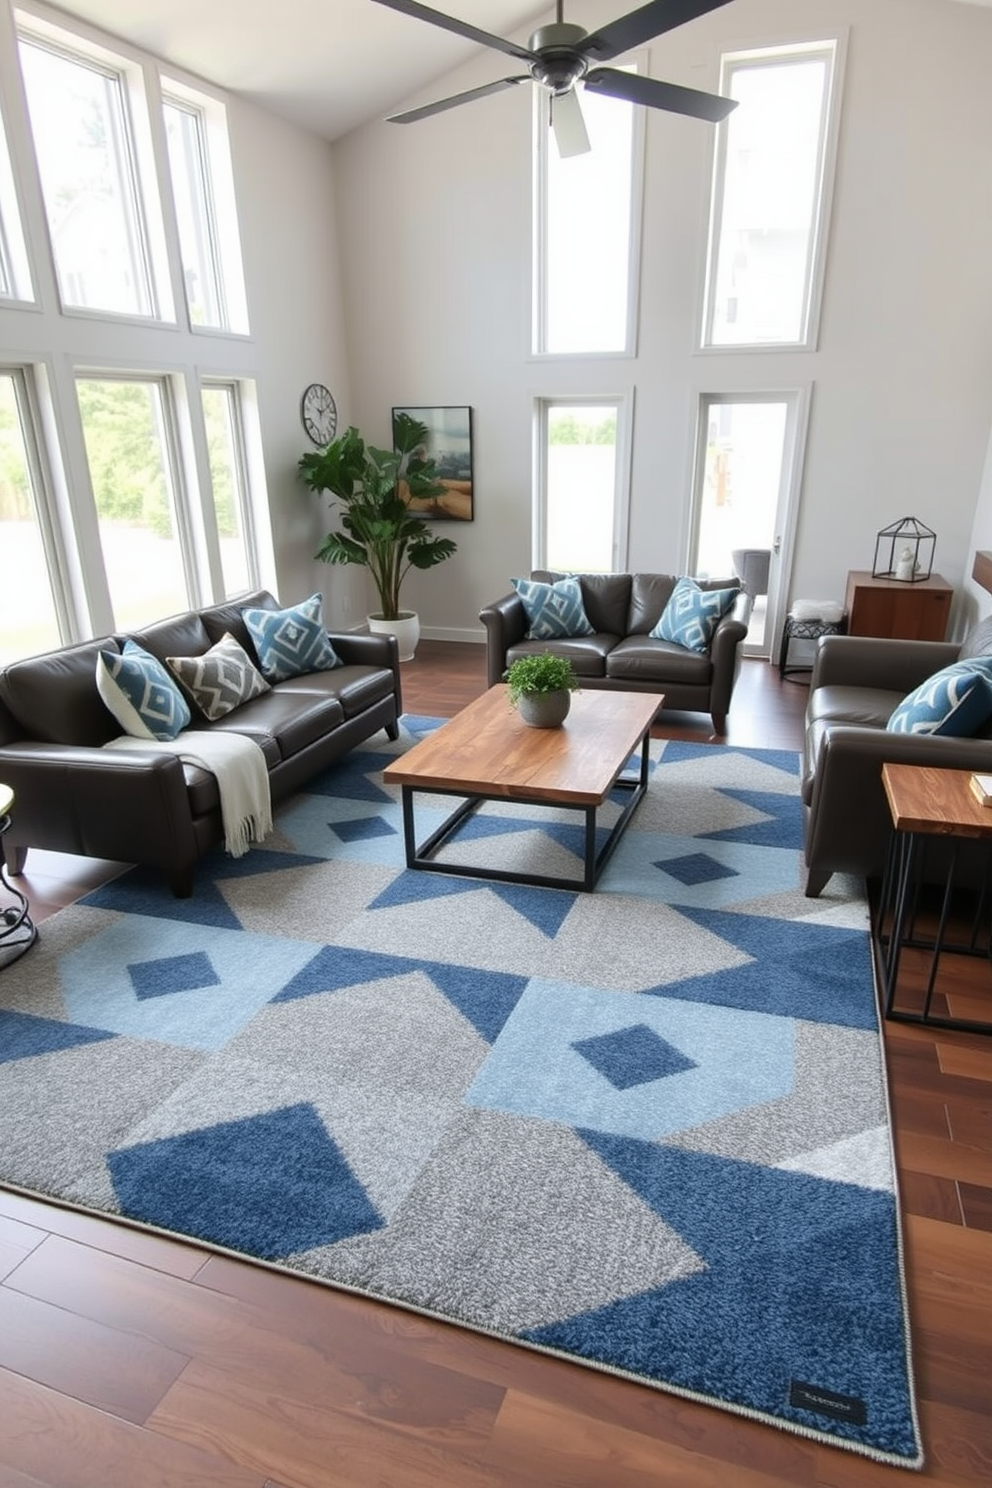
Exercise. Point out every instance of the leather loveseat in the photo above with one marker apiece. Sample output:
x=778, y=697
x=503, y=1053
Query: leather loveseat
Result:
x=72, y=795
x=621, y=655
x=857, y=683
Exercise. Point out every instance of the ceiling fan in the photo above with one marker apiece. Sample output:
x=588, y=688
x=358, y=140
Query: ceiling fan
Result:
x=560, y=55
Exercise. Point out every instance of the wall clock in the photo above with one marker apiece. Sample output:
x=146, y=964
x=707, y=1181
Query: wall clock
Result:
x=319, y=413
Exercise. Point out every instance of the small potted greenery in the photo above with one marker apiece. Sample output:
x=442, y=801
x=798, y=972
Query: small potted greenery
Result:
x=541, y=687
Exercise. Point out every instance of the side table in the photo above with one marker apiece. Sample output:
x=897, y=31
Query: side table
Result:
x=17, y=930
x=804, y=630
x=927, y=805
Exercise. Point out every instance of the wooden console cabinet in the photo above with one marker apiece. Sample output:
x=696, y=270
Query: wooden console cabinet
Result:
x=888, y=607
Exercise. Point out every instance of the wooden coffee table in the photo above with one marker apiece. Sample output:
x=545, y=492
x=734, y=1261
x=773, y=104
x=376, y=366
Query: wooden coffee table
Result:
x=487, y=753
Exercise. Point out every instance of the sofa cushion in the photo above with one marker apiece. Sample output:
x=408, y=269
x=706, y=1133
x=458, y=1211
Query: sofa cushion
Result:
x=954, y=702
x=554, y=611
x=180, y=635
x=54, y=699
x=649, y=594
x=228, y=618
x=140, y=694
x=289, y=721
x=355, y=687
x=866, y=707
x=220, y=680
x=290, y=642
x=586, y=653
x=692, y=615
x=640, y=659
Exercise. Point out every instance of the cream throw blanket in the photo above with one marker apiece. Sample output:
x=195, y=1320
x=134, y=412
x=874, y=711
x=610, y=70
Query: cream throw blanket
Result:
x=242, y=779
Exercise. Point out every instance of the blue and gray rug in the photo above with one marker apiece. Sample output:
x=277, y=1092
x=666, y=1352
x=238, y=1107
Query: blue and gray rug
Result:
x=645, y=1129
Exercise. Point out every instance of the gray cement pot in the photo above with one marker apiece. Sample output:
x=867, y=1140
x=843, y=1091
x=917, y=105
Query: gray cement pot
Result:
x=545, y=709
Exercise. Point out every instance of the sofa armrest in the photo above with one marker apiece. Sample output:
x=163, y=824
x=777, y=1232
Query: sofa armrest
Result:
x=725, y=653
x=100, y=803
x=849, y=816
x=506, y=624
x=371, y=650
x=872, y=661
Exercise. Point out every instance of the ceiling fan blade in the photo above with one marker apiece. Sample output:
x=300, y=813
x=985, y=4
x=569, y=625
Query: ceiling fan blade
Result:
x=460, y=28
x=641, y=25
x=636, y=89
x=568, y=124
x=426, y=110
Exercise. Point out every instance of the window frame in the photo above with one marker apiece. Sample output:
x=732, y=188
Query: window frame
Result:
x=541, y=137
x=832, y=44
x=236, y=392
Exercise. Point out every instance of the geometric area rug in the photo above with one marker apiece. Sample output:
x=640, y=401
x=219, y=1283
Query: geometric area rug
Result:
x=644, y=1129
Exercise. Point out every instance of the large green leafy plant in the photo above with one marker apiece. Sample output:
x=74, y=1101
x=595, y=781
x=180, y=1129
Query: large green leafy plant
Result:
x=378, y=530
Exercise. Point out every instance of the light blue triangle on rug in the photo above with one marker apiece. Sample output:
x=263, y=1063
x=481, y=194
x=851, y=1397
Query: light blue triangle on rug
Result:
x=644, y=1129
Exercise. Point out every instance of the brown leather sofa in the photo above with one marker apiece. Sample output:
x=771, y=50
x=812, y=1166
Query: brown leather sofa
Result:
x=856, y=684
x=72, y=795
x=622, y=609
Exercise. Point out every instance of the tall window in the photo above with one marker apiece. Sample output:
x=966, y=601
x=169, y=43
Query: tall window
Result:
x=84, y=141
x=581, y=527
x=203, y=192
x=29, y=619
x=222, y=416
x=767, y=220
x=129, y=449
x=586, y=233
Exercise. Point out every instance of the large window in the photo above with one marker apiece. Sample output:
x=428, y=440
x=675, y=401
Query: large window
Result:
x=15, y=275
x=29, y=619
x=585, y=262
x=768, y=212
x=85, y=147
x=129, y=450
x=583, y=485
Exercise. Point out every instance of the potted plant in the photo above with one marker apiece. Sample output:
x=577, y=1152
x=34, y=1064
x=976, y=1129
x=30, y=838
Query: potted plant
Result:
x=378, y=529
x=541, y=688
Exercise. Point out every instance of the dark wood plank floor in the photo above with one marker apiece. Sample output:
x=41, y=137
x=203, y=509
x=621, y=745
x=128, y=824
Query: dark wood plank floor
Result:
x=132, y=1361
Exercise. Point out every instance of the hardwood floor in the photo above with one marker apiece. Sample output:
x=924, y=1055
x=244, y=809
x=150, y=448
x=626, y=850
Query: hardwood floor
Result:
x=131, y=1361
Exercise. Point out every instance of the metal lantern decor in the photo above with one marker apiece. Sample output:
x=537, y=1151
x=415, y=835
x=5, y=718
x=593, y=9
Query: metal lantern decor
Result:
x=904, y=551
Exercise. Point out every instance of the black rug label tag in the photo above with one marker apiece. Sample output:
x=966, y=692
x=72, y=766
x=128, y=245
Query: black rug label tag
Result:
x=827, y=1403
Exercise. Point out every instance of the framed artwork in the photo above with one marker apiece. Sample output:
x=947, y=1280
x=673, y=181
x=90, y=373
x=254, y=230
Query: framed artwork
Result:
x=449, y=444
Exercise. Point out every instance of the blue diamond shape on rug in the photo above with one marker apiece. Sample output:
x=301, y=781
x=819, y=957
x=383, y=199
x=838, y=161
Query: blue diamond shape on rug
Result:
x=99, y=990
x=633, y=1056
x=270, y=1185
x=736, y=1060
x=167, y=974
x=800, y=970
x=23, y=1036
x=696, y=868
x=362, y=829
x=832, y=1249
x=546, y=909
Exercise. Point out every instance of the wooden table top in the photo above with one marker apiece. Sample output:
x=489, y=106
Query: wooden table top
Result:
x=940, y=802
x=488, y=750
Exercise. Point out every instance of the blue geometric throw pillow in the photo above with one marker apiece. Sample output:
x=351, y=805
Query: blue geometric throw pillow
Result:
x=290, y=643
x=955, y=702
x=554, y=611
x=140, y=693
x=692, y=615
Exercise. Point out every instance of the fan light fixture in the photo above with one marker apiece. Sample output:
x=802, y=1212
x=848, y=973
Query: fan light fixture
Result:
x=560, y=55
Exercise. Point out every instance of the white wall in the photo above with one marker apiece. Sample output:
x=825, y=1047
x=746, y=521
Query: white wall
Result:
x=435, y=222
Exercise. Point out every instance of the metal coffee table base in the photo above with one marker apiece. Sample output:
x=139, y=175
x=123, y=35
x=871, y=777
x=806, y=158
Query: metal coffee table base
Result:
x=593, y=862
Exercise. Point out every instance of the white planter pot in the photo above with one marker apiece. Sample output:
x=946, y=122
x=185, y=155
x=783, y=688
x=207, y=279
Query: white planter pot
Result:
x=406, y=629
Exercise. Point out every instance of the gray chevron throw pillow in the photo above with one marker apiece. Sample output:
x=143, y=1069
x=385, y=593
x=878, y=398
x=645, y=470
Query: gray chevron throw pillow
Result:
x=219, y=680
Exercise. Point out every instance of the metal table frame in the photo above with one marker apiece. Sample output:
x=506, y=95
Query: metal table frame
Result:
x=18, y=932
x=594, y=862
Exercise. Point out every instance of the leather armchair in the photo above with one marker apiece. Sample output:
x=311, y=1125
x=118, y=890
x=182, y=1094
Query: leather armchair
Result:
x=856, y=684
